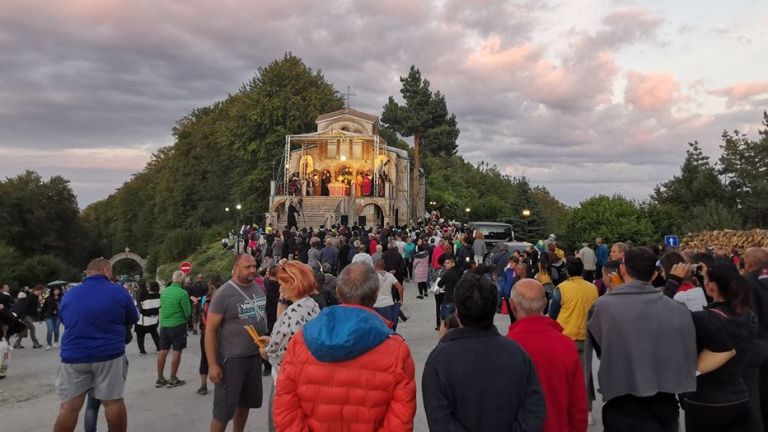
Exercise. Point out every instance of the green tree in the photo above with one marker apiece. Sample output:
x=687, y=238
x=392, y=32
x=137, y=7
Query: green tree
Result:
x=612, y=218
x=744, y=166
x=9, y=262
x=223, y=154
x=710, y=215
x=697, y=182
x=424, y=115
x=41, y=269
x=40, y=216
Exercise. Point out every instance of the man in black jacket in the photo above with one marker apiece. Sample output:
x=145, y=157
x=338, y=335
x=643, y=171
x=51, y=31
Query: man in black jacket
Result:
x=756, y=268
x=27, y=311
x=477, y=379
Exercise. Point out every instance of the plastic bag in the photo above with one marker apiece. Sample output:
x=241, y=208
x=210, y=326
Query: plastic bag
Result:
x=5, y=357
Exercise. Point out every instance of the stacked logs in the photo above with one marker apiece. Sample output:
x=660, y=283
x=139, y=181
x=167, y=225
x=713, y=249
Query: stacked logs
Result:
x=725, y=240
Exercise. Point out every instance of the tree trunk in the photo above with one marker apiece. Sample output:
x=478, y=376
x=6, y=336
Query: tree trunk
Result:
x=415, y=189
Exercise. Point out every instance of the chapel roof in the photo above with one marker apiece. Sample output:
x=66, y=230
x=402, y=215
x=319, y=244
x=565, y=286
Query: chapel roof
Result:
x=347, y=111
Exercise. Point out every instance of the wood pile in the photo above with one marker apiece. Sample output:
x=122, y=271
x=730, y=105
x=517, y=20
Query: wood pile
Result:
x=725, y=240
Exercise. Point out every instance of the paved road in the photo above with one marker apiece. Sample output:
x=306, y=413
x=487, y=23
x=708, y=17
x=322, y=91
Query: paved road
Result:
x=28, y=401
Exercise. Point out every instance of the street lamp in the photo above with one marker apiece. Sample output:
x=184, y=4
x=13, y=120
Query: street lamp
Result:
x=526, y=215
x=237, y=228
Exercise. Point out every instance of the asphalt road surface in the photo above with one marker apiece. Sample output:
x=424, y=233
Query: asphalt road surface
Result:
x=28, y=400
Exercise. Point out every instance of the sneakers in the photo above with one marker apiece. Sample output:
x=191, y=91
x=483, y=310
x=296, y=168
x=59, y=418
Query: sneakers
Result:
x=590, y=420
x=161, y=382
x=174, y=382
x=55, y=344
x=419, y=296
x=47, y=347
x=202, y=391
x=36, y=346
x=142, y=354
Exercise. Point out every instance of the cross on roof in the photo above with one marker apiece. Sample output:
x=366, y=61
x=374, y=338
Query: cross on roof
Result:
x=348, y=94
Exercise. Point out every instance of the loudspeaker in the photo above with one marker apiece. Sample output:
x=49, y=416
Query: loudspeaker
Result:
x=361, y=221
x=345, y=219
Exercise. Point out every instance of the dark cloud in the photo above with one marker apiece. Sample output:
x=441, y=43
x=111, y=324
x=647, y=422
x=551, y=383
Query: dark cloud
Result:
x=90, y=89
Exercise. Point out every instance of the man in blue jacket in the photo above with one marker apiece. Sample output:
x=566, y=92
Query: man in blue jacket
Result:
x=95, y=315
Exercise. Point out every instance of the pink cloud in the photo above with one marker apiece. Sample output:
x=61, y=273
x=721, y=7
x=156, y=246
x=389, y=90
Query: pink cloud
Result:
x=651, y=91
x=578, y=83
x=741, y=92
x=491, y=54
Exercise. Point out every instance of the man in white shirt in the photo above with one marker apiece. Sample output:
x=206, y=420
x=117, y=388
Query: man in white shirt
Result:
x=385, y=304
x=362, y=256
x=589, y=259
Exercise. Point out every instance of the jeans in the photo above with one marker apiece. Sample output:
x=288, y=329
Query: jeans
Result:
x=91, y=412
x=391, y=313
x=53, y=330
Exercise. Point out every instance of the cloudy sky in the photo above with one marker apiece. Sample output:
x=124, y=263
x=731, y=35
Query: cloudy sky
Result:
x=584, y=97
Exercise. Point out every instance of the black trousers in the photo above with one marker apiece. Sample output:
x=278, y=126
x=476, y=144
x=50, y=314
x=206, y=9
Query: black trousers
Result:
x=143, y=330
x=438, y=302
x=203, y=369
x=628, y=413
x=719, y=418
x=422, y=288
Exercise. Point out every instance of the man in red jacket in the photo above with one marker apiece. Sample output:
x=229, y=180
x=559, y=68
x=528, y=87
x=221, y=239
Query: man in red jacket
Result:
x=555, y=357
x=346, y=369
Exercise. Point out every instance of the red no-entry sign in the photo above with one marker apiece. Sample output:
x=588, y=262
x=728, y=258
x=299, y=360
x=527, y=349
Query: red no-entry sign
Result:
x=185, y=267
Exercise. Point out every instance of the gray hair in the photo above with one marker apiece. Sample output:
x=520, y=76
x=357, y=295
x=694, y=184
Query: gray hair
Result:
x=358, y=284
x=528, y=306
x=622, y=246
x=178, y=276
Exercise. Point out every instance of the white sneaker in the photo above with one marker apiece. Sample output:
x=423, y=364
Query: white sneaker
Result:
x=590, y=420
x=47, y=347
x=55, y=344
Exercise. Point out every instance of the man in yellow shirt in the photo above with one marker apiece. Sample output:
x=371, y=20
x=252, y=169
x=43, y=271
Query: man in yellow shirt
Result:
x=571, y=302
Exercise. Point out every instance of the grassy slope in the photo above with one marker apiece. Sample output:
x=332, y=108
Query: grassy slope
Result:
x=207, y=260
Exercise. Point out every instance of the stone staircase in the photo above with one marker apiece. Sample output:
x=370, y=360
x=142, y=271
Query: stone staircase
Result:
x=318, y=210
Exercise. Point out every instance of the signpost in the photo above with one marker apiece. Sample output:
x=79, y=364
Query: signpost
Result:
x=671, y=241
x=185, y=267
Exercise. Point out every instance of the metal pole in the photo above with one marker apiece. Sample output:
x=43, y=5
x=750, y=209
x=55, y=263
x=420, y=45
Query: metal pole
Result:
x=237, y=243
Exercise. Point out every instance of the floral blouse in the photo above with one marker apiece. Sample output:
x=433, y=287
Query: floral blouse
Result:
x=291, y=321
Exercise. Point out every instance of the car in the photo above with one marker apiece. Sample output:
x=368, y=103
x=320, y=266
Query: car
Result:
x=515, y=246
x=494, y=232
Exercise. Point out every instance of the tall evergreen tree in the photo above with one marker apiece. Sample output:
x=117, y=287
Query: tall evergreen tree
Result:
x=744, y=166
x=425, y=117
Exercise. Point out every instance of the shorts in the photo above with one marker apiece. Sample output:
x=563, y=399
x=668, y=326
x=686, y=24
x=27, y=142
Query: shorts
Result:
x=239, y=387
x=446, y=310
x=107, y=379
x=173, y=337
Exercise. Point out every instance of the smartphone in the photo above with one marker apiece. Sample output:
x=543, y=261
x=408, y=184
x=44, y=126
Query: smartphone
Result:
x=695, y=269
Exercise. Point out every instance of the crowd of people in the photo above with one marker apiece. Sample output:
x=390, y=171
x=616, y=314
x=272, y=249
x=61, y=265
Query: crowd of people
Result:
x=317, y=311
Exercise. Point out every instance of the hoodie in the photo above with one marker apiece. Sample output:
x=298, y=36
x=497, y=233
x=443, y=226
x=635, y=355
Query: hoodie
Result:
x=345, y=332
x=346, y=370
